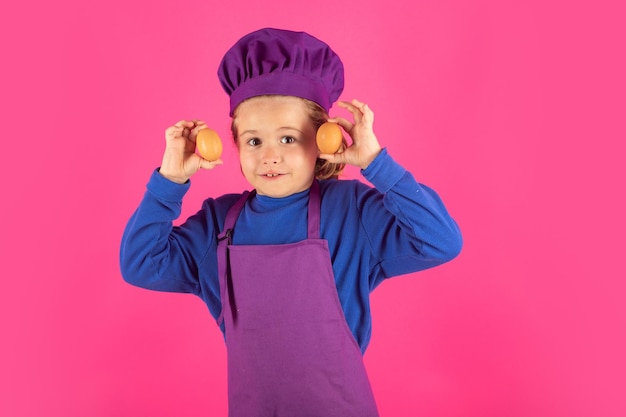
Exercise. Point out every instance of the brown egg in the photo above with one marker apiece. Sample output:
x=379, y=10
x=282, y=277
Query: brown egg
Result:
x=209, y=144
x=329, y=137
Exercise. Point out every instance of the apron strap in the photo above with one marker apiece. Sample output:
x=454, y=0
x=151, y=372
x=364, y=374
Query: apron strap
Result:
x=231, y=217
x=314, y=211
x=225, y=237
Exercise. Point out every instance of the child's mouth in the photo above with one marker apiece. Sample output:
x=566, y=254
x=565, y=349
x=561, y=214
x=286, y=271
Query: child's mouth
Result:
x=271, y=174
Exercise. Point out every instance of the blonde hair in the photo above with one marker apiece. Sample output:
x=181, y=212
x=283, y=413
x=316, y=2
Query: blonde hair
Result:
x=323, y=169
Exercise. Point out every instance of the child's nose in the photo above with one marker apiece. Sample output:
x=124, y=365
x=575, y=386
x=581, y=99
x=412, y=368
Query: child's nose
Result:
x=271, y=155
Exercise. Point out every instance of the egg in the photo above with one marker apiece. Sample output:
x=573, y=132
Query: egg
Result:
x=209, y=144
x=329, y=138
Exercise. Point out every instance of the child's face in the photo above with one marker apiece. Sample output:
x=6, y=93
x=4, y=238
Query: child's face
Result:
x=276, y=141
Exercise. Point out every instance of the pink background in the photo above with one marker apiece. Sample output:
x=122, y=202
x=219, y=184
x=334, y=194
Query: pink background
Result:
x=514, y=113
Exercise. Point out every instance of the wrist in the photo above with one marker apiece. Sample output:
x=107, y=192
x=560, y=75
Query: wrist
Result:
x=370, y=158
x=174, y=178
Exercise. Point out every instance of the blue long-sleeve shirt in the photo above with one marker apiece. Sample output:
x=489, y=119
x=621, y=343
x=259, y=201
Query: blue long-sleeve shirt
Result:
x=398, y=227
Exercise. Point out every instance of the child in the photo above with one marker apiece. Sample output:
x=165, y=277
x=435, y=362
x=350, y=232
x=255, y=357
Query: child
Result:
x=287, y=269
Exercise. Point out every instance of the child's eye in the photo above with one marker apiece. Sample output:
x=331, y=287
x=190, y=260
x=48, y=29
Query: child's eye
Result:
x=288, y=139
x=254, y=142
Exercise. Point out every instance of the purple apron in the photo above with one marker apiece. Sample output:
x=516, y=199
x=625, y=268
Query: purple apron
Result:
x=290, y=350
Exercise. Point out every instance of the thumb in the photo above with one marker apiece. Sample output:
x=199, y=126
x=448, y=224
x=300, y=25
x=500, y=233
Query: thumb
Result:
x=336, y=158
x=204, y=164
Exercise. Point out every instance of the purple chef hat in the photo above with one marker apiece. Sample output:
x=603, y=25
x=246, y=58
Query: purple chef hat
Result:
x=276, y=61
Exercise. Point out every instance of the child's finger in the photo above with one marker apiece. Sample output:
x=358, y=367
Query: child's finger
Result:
x=344, y=123
x=368, y=114
x=356, y=112
x=197, y=122
x=356, y=107
x=178, y=129
x=194, y=132
x=184, y=123
x=173, y=132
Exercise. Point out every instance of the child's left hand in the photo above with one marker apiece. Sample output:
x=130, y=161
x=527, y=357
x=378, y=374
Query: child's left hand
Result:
x=365, y=146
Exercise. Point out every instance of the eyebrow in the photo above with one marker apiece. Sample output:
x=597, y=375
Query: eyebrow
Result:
x=248, y=131
x=254, y=132
x=290, y=128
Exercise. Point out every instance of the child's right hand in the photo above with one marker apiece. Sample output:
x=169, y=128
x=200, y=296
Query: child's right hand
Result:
x=180, y=161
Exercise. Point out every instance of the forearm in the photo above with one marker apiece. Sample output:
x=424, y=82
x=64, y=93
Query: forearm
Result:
x=420, y=226
x=153, y=253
